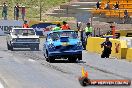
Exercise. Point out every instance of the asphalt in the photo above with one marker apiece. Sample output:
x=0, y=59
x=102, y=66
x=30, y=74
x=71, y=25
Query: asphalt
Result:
x=29, y=69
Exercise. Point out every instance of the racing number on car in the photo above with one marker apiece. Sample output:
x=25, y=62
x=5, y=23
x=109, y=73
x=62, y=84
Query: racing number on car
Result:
x=117, y=35
x=129, y=35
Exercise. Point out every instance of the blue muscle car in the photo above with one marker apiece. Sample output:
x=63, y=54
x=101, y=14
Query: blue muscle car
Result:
x=62, y=44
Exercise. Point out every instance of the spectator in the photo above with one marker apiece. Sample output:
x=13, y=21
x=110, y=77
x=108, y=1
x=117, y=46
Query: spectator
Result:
x=16, y=12
x=65, y=26
x=88, y=30
x=107, y=6
x=98, y=5
x=23, y=12
x=4, y=11
x=57, y=28
x=116, y=6
x=126, y=16
x=25, y=25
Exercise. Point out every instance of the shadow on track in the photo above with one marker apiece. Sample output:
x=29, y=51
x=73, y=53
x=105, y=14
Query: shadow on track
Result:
x=66, y=61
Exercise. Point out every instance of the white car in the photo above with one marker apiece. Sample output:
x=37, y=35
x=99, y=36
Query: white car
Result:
x=22, y=38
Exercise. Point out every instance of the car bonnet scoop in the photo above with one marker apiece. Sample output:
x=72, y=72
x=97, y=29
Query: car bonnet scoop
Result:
x=64, y=39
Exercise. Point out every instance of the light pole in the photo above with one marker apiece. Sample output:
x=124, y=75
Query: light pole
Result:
x=40, y=10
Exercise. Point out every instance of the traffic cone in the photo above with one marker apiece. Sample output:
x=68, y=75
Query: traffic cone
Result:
x=83, y=72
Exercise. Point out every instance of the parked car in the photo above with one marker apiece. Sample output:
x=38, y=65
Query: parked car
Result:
x=22, y=38
x=63, y=44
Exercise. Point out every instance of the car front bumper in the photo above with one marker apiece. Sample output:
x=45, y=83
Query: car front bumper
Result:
x=65, y=53
x=24, y=45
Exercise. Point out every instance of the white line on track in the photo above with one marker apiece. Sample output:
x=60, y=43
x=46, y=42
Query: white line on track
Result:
x=1, y=86
x=31, y=60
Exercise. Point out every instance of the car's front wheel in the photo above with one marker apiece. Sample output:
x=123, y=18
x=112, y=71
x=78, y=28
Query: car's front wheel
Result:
x=48, y=58
x=79, y=57
x=72, y=59
x=37, y=47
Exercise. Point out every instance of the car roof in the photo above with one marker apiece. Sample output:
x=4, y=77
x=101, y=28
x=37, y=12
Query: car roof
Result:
x=23, y=28
x=61, y=31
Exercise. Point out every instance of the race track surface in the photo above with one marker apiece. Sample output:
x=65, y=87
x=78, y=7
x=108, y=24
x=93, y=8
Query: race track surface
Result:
x=29, y=69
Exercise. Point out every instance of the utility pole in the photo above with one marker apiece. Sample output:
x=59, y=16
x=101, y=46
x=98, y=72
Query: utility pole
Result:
x=40, y=10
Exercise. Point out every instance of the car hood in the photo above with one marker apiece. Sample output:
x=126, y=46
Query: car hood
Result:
x=70, y=42
x=20, y=36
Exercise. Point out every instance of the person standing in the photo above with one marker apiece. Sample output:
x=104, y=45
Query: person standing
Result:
x=57, y=28
x=25, y=25
x=23, y=11
x=126, y=16
x=65, y=26
x=98, y=5
x=107, y=6
x=4, y=11
x=88, y=30
x=107, y=48
x=116, y=6
x=16, y=12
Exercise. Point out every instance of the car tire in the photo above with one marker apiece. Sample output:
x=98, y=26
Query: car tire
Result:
x=8, y=47
x=48, y=58
x=72, y=60
x=79, y=57
x=51, y=59
x=32, y=48
x=37, y=48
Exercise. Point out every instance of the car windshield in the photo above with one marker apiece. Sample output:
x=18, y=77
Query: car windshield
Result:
x=57, y=35
x=24, y=32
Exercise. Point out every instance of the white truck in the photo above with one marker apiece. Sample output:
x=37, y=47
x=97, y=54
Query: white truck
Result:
x=22, y=38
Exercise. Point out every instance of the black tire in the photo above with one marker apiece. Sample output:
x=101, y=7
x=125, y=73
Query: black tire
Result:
x=72, y=60
x=32, y=48
x=79, y=57
x=51, y=59
x=48, y=58
x=37, y=48
x=8, y=47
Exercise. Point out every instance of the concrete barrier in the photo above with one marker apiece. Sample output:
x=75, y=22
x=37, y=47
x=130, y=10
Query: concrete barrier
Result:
x=126, y=33
x=118, y=46
x=129, y=54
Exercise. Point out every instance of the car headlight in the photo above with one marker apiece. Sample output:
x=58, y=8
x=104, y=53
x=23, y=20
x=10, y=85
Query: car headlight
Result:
x=79, y=43
x=14, y=40
x=51, y=46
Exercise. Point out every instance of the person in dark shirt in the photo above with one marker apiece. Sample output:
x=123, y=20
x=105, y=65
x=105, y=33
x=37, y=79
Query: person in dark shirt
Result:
x=4, y=11
x=16, y=12
x=116, y=6
x=107, y=48
x=98, y=5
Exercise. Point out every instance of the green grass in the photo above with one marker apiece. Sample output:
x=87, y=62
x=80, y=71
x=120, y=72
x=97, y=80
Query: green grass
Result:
x=32, y=13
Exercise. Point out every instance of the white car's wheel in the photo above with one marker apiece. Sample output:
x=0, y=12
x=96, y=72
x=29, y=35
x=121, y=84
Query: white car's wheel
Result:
x=37, y=48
